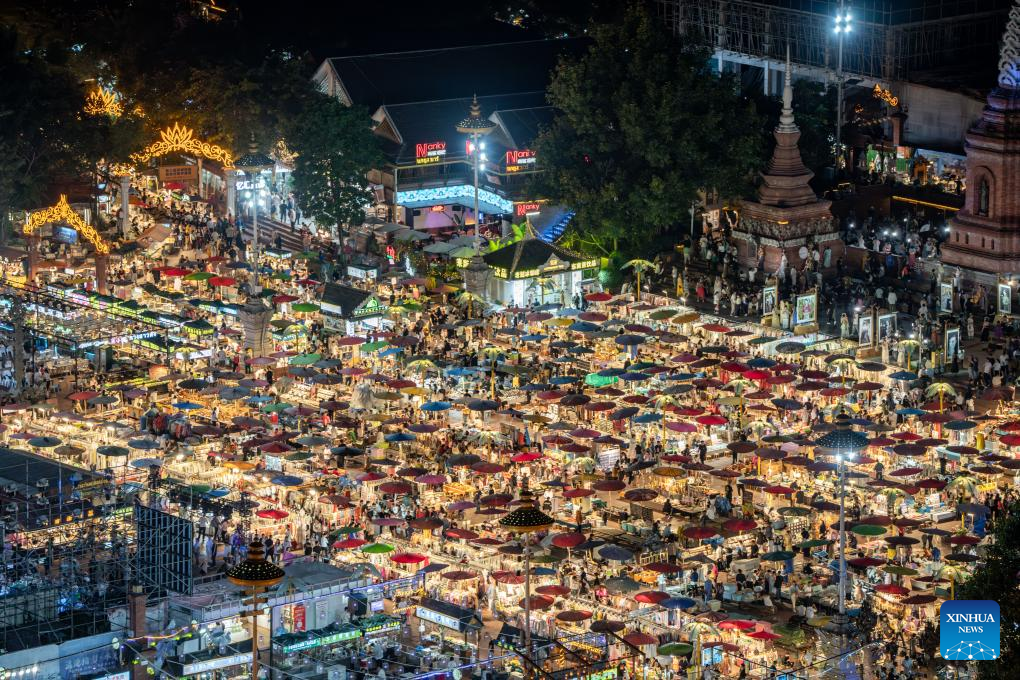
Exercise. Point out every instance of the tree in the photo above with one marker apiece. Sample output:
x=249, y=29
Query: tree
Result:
x=335, y=149
x=996, y=580
x=644, y=124
x=639, y=267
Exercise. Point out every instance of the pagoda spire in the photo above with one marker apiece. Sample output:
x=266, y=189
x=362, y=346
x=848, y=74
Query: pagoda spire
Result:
x=1009, y=54
x=786, y=122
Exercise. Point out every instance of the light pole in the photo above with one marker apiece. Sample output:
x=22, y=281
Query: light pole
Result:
x=527, y=519
x=476, y=127
x=843, y=443
x=252, y=164
x=255, y=575
x=842, y=28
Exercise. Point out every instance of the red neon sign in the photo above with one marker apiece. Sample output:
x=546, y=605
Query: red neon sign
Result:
x=522, y=209
x=429, y=152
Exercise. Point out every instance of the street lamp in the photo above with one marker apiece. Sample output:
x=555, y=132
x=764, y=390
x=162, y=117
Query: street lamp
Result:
x=476, y=127
x=843, y=443
x=842, y=28
x=256, y=575
x=252, y=164
x=527, y=519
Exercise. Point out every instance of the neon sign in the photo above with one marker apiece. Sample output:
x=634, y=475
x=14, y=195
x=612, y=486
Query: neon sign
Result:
x=522, y=209
x=463, y=192
x=426, y=153
x=518, y=160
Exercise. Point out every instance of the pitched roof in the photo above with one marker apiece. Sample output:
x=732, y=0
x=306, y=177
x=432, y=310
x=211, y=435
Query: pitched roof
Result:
x=529, y=253
x=346, y=298
x=372, y=80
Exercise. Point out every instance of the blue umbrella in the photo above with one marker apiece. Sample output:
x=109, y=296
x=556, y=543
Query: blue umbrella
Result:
x=634, y=375
x=44, y=442
x=543, y=571
x=568, y=311
x=611, y=372
x=904, y=375
x=761, y=362
x=187, y=406
x=677, y=603
x=260, y=399
x=910, y=412
x=787, y=404
x=956, y=425
x=535, y=387
x=861, y=422
x=390, y=351
x=615, y=553
x=642, y=365
x=432, y=568
x=216, y=493
x=460, y=371
x=482, y=405
x=145, y=462
x=677, y=376
x=287, y=480
x=623, y=413
x=581, y=349
x=583, y=327
x=534, y=337
x=563, y=344
x=400, y=437
x=645, y=418
x=629, y=339
x=143, y=444
x=563, y=380
x=435, y=406
x=548, y=307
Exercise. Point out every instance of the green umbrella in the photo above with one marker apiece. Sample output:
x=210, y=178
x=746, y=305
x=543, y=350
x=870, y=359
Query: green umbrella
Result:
x=377, y=548
x=868, y=530
x=545, y=559
x=778, y=556
x=280, y=276
x=373, y=346
x=760, y=340
x=661, y=314
x=675, y=649
x=794, y=511
x=282, y=406
x=200, y=488
x=307, y=255
x=199, y=276
x=305, y=307
x=281, y=324
x=305, y=359
x=299, y=455
x=268, y=292
x=813, y=543
x=346, y=531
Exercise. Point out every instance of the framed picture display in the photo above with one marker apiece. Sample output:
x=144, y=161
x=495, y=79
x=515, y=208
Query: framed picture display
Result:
x=886, y=326
x=769, y=297
x=945, y=298
x=952, y=343
x=806, y=309
x=1005, y=298
x=866, y=330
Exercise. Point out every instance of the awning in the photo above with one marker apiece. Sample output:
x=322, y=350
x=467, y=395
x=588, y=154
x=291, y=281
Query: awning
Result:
x=448, y=615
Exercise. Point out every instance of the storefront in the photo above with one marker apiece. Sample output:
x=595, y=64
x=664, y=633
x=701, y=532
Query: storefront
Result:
x=448, y=616
x=533, y=270
x=346, y=309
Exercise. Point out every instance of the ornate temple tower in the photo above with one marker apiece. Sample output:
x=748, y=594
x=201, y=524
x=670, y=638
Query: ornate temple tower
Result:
x=255, y=317
x=787, y=215
x=984, y=236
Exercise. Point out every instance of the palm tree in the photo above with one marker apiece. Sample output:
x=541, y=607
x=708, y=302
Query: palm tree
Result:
x=544, y=284
x=942, y=389
x=421, y=366
x=469, y=300
x=640, y=266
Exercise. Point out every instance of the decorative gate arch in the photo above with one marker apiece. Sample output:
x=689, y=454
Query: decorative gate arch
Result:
x=181, y=138
x=62, y=212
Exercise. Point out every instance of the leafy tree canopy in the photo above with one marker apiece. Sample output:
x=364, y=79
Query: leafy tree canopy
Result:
x=645, y=124
x=335, y=149
x=814, y=108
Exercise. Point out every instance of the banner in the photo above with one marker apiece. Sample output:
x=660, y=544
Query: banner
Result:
x=178, y=173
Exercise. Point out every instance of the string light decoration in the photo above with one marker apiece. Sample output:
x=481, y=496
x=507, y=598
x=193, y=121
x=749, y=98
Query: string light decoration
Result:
x=100, y=102
x=62, y=212
x=181, y=138
x=121, y=170
x=885, y=95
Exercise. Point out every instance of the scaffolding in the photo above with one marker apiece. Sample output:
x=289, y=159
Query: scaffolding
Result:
x=892, y=40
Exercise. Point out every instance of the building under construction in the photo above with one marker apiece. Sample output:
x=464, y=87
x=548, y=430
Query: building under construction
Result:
x=931, y=53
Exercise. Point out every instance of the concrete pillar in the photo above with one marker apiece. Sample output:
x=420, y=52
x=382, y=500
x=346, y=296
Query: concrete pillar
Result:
x=201, y=194
x=101, y=274
x=138, y=628
x=231, y=192
x=255, y=317
x=896, y=120
x=765, y=79
x=125, y=204
x=33, y=257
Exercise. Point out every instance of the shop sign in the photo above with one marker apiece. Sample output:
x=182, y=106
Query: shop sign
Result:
x=437, y=618
x=333, y=638
x=117, y=339
x=382, y=627
x=524, y=209
x=372, y=307
x=426, y=153
x=299, y=618
x=518, y=160
x=178, y=173
x=215, y=664
x=302, y=644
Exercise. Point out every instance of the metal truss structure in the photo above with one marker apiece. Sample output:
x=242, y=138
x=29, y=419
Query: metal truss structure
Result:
x=891, y=40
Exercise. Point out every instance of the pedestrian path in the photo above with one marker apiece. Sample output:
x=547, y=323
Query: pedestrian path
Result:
x=268, y=230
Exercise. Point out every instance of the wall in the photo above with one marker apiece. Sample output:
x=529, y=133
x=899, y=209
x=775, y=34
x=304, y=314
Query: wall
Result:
x=936, y=119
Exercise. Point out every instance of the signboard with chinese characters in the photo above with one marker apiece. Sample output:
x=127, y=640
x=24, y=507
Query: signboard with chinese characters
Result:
x=178, y=173
x=216, y=664
x=440, y=619
x=522, y=209
x=519, y=160
x=426, y=153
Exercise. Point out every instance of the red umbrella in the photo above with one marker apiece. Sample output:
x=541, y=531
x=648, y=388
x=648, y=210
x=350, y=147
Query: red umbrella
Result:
x=537, y=602
x=578, y=493
x=1010, y=440
x=716, y=328
x=905, y=436
x=764, y=635
x=78, y=396
x=175, y=271
x=272, y=514
x=350, y=543
x=222, y=281
x=527, y=457
x=736, y=624
x=569, y=540
x=598, y=297
x=408, y=558
x=865, y=562
x=681, y=427
x=392, y=487
x=699, y=533
x=574, y=615
x=606, y=626
x=507, y=577
x=640, y=639
x=711, y=420
x=553, y=590
x=964, y=540
x=609, y=485
x=891, y=588
x=465, y=534
x=778, y=490
x=651, y=596
x=458, y=575
x=738, y=525
x=484, y=468
x=664, y=567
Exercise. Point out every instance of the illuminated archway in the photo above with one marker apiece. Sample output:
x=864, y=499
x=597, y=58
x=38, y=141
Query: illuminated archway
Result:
x=62, y=212
x=180, y=138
